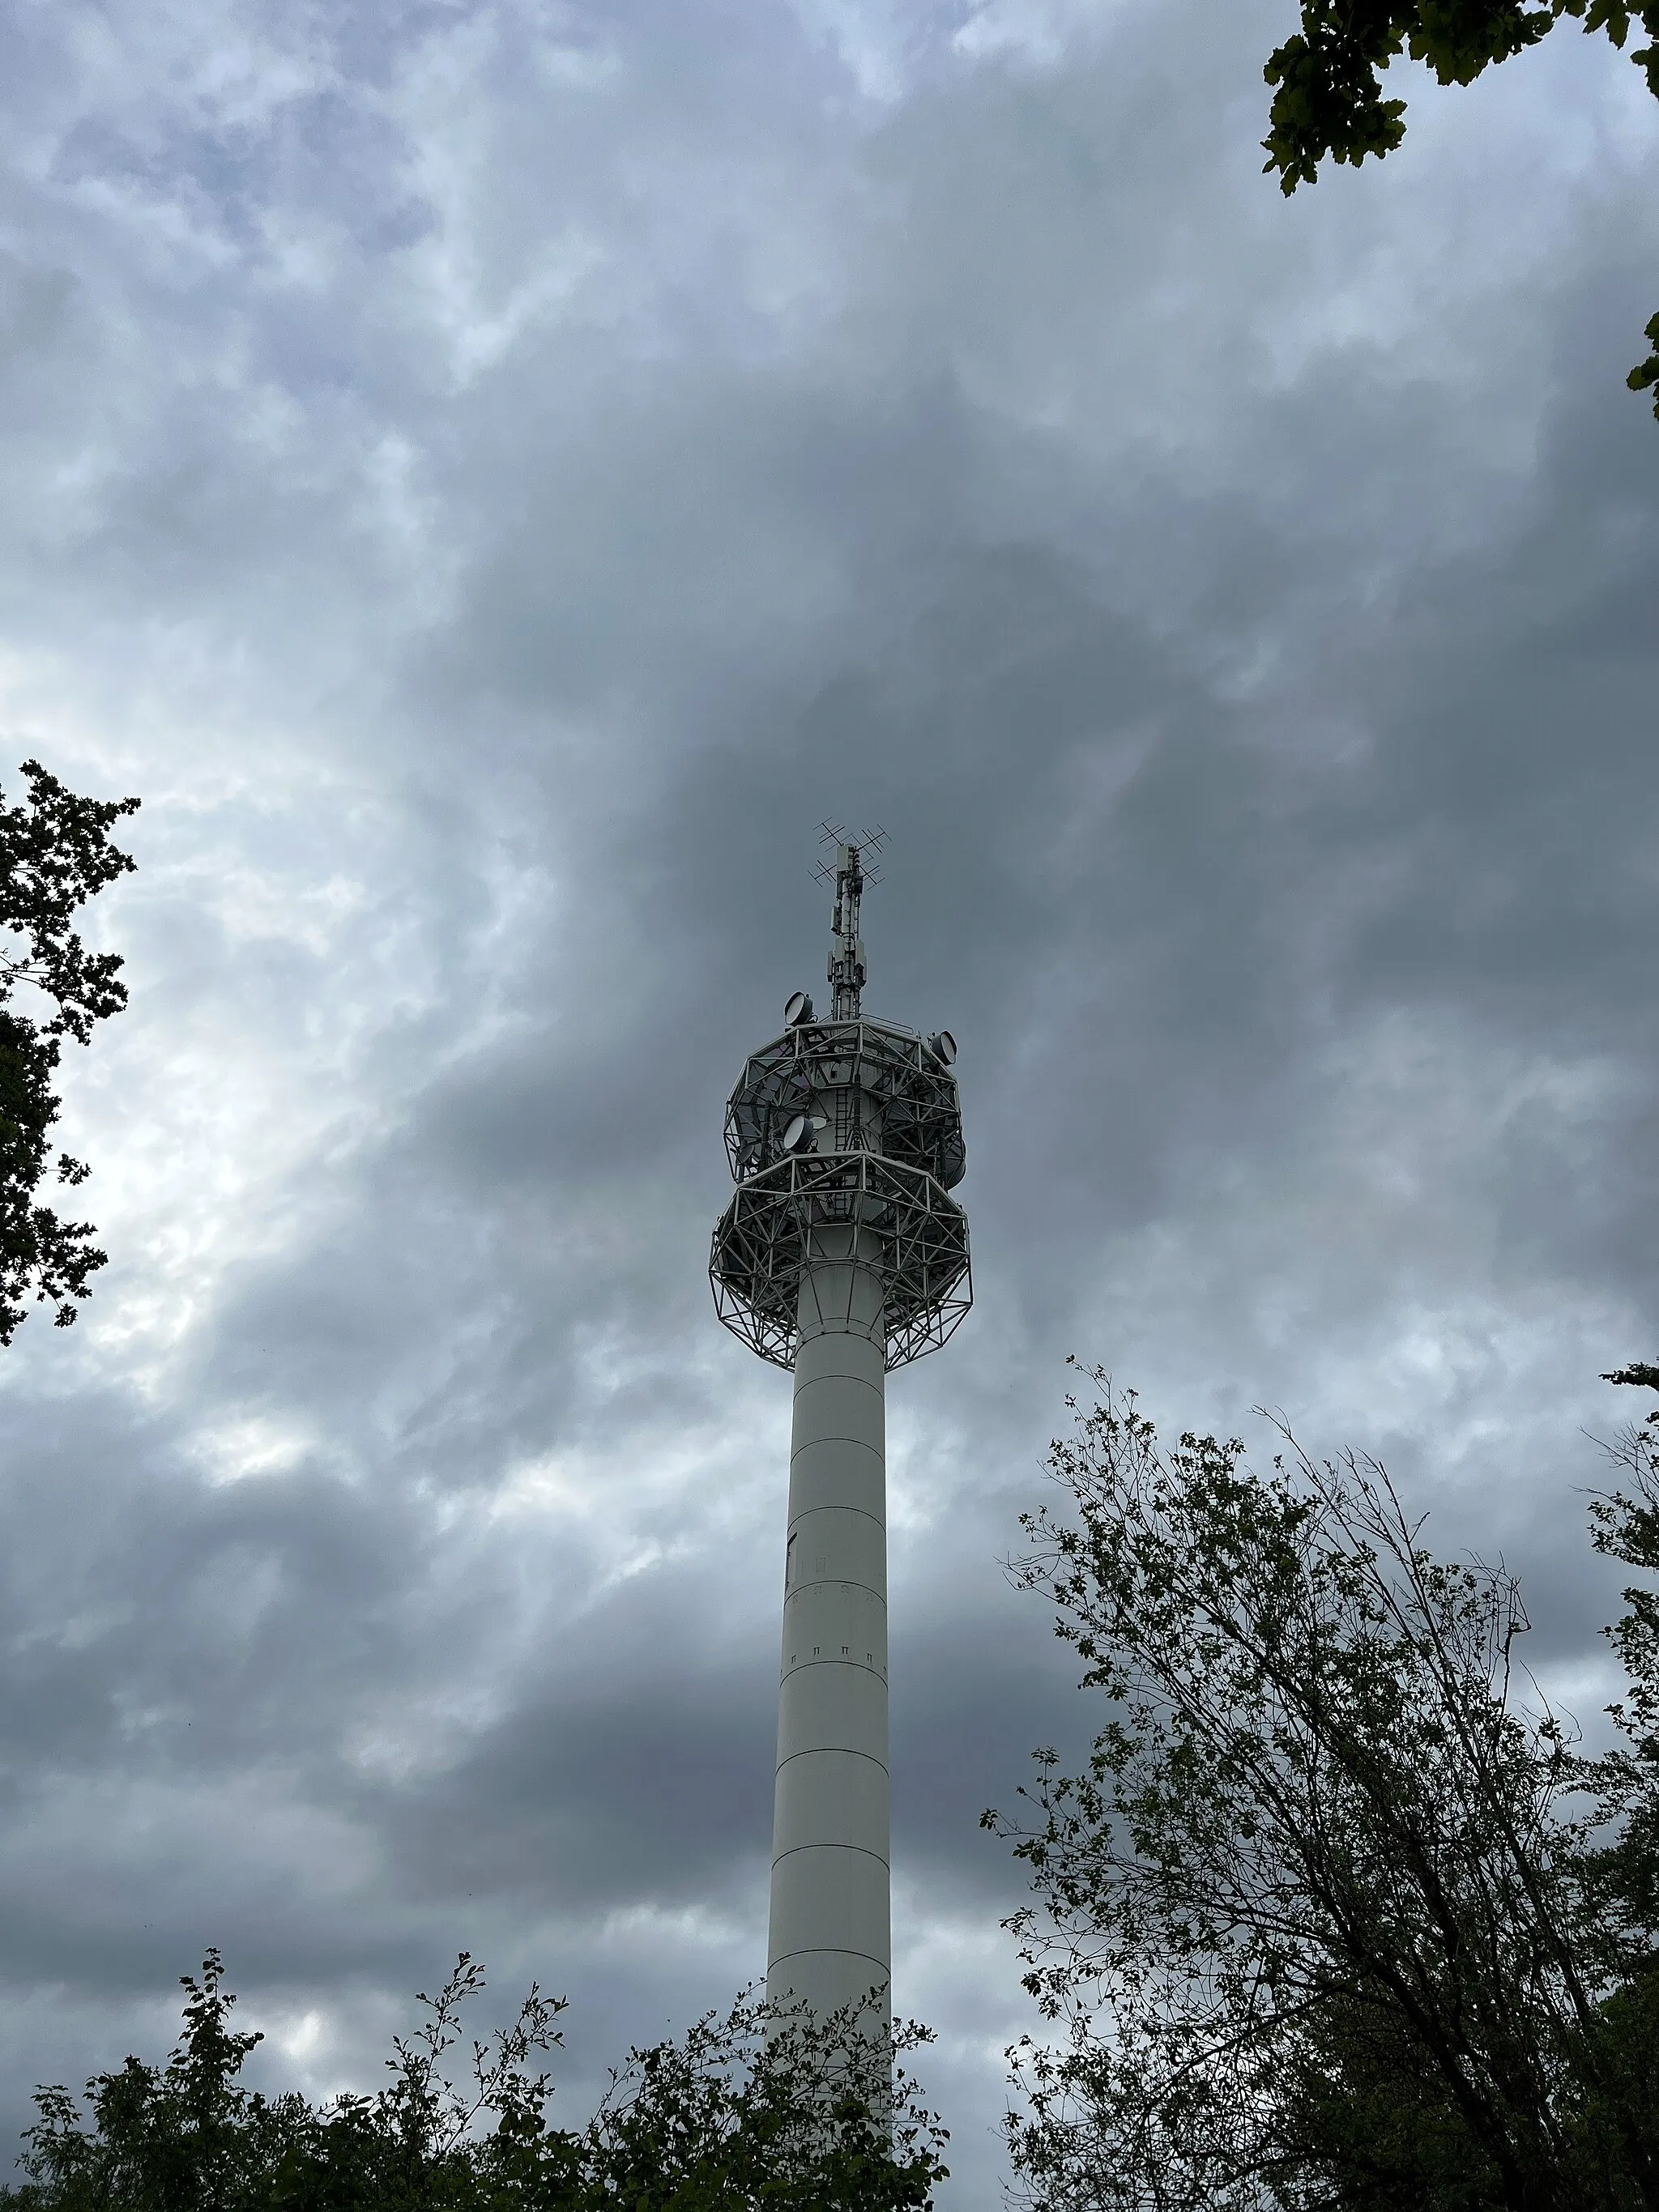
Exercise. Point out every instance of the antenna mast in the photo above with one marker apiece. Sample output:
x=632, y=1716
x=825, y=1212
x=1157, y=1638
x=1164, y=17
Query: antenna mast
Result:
x=847, y=949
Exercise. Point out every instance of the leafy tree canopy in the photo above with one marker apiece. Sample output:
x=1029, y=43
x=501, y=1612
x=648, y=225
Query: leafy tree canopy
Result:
x=1327, y=86
x=55, y=853
x=1337, y=1914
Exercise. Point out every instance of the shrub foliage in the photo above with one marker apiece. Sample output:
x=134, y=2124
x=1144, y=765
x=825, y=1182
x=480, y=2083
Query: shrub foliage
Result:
x=745, y=2111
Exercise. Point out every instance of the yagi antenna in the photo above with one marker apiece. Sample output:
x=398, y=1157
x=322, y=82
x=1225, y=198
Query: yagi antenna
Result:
x=871, y=843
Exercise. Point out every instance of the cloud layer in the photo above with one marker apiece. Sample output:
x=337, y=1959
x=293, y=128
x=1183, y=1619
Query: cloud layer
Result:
x=492, y=477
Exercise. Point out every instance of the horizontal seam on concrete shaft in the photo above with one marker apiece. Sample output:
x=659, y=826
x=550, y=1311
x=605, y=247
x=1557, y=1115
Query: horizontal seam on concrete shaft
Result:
x=812, y=1382
x=828, y=1951
x=863, y=1850
x=863, y=1666
x=822, y=1581
x=831, y=1751
x=861, y=1511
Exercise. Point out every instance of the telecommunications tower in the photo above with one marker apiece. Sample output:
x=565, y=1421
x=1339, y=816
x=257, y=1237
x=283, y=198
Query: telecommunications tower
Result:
x=841, y=1254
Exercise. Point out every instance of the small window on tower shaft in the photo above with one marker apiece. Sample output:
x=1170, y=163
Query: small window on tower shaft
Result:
x=789, y=1563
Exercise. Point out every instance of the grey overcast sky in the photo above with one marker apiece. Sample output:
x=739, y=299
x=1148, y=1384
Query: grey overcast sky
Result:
x=491, y=475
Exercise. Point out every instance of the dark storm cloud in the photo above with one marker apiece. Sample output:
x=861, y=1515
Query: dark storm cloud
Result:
x=493, y=479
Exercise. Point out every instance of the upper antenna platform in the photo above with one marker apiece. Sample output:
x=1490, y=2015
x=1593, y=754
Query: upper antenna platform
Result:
x=845, y=1139
x=856, y=865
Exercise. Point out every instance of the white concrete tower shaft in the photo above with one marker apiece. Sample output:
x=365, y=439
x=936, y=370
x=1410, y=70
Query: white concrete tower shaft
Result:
x=829, y=1941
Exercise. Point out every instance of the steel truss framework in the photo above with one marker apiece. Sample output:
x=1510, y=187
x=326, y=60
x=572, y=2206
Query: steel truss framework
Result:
x=871, y=1081
x=766, y=1240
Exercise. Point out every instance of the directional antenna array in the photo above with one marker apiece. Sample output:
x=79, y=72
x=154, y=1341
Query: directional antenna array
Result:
x=856, y=864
